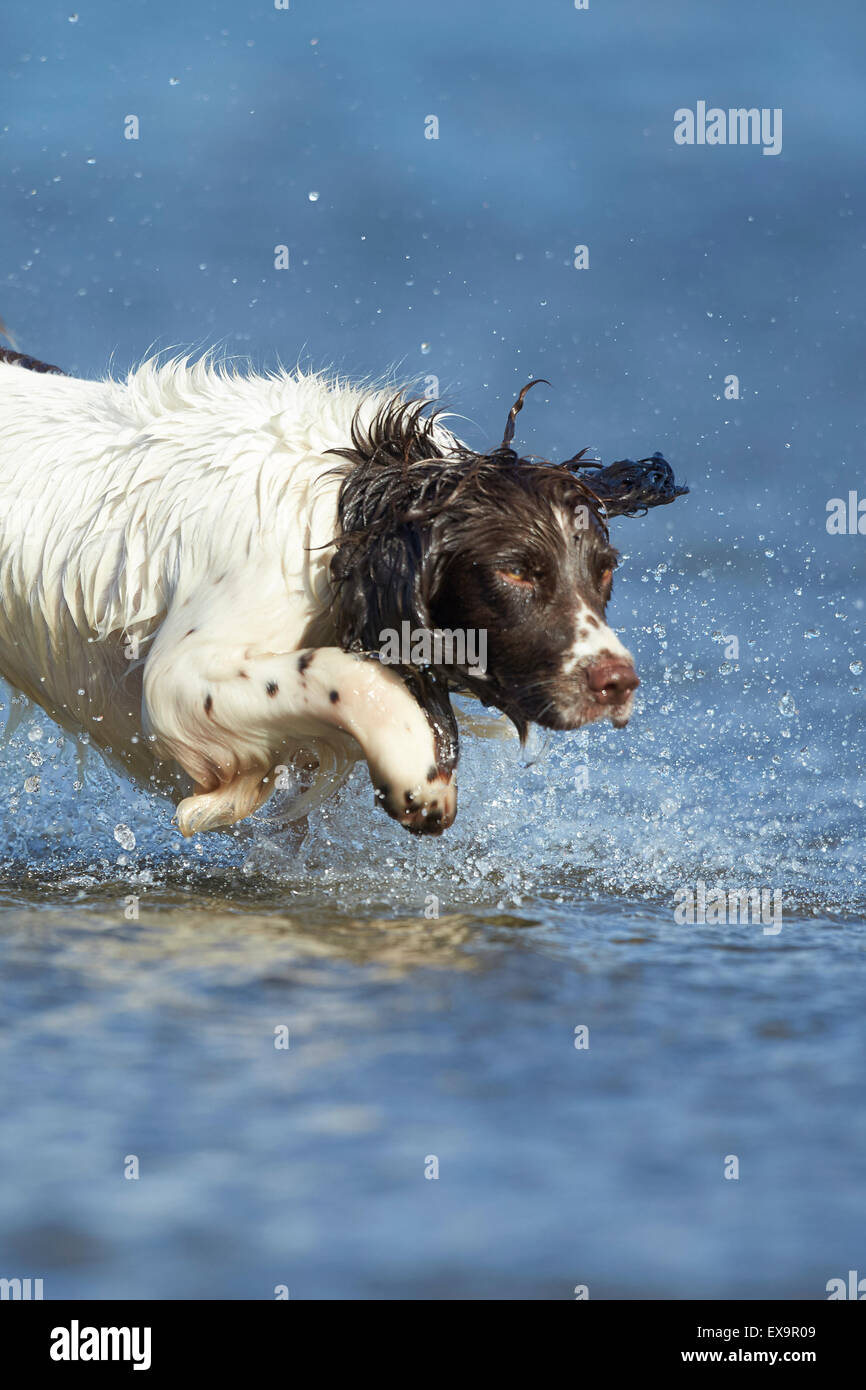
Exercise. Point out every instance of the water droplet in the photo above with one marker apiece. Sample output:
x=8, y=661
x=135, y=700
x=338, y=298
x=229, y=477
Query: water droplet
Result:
x=535, y=747
x=856, y=668
x=73, y=19
x=124, y=836
x=313, y=197
x=810, y=633
x=787, y=708
x=425, y=348
x=174, y=82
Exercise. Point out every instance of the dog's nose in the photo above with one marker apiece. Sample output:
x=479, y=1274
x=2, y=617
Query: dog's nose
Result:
x=611, y=680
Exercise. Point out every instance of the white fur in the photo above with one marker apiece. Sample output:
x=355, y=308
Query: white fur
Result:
x=592, y=638
x=188, y=497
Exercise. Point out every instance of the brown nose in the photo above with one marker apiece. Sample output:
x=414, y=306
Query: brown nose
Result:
x=611, y=680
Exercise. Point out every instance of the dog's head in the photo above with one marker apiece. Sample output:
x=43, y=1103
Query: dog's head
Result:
x=507, y=560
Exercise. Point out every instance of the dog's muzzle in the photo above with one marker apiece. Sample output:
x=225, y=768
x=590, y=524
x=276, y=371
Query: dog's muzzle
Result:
x=600, y=689
x=611, y=683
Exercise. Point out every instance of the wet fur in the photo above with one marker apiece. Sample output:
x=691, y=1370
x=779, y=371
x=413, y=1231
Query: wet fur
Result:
x=197, y=565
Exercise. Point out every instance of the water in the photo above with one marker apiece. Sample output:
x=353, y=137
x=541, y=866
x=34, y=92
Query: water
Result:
x=143, y=977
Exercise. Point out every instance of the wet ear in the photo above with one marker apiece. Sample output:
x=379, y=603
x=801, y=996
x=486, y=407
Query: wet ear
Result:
x=377, y=578
x=381, y=581
x=629, y=488
x=432, y=695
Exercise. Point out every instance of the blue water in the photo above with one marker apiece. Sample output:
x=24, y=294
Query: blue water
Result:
x=453, y=1036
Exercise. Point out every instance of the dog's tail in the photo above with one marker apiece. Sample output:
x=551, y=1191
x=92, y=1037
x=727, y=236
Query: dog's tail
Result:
x=629, y=488
x=21, y=359
x=32, y=364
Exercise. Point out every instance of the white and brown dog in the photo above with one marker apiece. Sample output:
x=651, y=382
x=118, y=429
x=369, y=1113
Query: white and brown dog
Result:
x=198, y=566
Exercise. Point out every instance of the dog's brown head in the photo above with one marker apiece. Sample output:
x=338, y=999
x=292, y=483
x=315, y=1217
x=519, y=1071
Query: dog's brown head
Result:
x=507, y=559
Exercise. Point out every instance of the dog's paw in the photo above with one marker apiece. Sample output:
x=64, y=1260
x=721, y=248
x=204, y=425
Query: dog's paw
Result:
x=197, y=814
x=226, y=805
x=426, y=810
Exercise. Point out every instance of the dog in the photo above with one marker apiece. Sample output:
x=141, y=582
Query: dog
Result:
x=199, y=567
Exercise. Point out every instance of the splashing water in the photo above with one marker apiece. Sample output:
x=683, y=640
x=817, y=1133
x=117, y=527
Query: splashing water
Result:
x=735, y=774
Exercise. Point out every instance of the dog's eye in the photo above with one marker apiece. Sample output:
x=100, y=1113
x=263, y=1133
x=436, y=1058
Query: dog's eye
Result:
x=520, y=577
x=606, y=566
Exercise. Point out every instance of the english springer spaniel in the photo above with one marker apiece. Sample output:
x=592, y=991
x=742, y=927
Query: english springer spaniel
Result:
x=199, y=568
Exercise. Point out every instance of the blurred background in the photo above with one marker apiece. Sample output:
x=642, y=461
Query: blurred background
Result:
x=450, y=261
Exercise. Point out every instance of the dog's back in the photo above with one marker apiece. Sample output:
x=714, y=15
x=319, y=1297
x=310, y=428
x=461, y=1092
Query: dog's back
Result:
x=116, y=497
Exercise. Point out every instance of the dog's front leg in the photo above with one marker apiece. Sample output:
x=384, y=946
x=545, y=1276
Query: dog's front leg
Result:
x=226, y=721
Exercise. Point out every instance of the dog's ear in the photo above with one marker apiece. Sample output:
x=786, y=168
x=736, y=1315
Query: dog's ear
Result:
x=433, y=696
x=629, y=488
x=378, y=584
x=381, y=579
